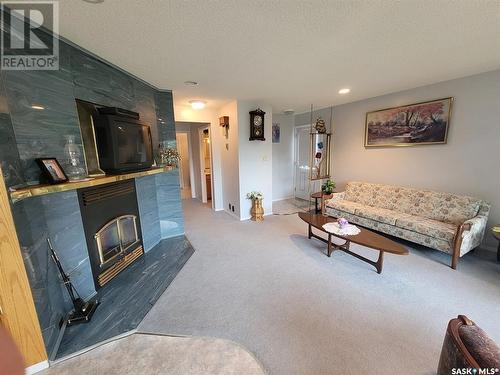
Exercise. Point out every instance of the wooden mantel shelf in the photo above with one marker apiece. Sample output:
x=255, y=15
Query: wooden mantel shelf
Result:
x=37, y=190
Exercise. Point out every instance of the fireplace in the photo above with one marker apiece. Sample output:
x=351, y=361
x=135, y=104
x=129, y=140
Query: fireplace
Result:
x=112, y=228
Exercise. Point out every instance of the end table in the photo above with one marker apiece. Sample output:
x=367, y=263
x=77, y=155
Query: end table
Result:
x=316, y=196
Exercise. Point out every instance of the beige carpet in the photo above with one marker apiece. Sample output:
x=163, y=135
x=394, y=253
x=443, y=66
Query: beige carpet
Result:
x=158, y=354
x=269, y=288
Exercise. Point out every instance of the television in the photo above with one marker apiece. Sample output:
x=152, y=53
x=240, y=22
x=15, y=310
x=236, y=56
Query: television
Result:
x=123, y=142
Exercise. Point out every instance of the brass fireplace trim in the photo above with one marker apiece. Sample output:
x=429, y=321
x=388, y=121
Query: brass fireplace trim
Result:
x=105, y=227
x=119, y=266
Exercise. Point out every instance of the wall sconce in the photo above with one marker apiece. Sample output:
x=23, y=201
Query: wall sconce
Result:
x=224, y=123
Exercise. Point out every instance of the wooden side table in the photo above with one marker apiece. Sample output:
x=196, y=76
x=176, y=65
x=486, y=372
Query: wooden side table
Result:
x=497, y=236
x=316, y=196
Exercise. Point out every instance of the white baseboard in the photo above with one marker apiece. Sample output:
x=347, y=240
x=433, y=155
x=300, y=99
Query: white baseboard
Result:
x=37, y=367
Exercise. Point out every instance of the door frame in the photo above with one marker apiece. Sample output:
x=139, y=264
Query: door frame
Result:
x=191, y=165
x=202, y=164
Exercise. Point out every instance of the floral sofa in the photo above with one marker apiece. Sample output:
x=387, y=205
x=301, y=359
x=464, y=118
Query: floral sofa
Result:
x=451, y=223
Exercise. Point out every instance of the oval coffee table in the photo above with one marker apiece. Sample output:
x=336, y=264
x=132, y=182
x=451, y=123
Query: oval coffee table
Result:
x=365, y=238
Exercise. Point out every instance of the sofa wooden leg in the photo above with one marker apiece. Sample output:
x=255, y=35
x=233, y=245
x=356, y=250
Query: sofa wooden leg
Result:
x=458, y=244
x=454, y=260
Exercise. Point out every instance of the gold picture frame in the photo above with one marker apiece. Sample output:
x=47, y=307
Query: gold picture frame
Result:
x=423, y=123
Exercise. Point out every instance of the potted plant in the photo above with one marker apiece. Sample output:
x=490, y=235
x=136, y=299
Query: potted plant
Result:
x=169, y=156
x=326, y=191
x=257, y=209
x=328, y=187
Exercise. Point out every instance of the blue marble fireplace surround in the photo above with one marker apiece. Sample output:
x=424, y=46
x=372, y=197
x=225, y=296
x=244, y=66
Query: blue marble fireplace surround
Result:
x=27, y=133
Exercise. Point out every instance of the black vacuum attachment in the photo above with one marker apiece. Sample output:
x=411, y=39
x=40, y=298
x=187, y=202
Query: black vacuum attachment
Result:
x=83, y=311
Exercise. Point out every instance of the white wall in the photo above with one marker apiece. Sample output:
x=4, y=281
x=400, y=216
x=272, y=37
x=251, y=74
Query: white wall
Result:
x=283, y=184
x=467, y=164
x=255, y=165
x=230, y=159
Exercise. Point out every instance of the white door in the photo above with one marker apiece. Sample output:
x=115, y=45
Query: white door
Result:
x=302, y=149
x=183, y=148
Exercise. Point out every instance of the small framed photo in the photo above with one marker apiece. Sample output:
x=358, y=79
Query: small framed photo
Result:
x=52, y=170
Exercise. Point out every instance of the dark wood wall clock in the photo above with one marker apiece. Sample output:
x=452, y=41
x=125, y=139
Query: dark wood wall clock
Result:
x=257, y=125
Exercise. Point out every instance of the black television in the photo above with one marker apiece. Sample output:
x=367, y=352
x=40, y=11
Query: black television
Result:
x=123, y=142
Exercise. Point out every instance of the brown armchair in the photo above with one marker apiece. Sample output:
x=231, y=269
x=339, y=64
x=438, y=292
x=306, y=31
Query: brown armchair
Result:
x=467, y=346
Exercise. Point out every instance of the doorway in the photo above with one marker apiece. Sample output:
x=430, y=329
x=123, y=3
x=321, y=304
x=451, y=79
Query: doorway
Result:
x=196, y=162
x=185, y=164
x=206, y=164
x=301, y=162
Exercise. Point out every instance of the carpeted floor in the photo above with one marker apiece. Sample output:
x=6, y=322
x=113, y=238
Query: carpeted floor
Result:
x=269, y=288
x=160, y=355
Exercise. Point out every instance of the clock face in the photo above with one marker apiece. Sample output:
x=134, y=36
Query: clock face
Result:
x=257, y=120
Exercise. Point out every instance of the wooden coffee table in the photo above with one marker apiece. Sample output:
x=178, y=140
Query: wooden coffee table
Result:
x=365, y=238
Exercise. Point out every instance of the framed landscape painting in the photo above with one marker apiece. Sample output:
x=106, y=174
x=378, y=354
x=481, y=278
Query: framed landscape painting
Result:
x=410, y=125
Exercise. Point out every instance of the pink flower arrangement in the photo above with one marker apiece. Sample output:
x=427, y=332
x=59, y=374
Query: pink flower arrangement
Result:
x=342, y=222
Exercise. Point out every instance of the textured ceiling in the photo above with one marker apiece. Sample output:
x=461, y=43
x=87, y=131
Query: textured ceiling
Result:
x=288, y=53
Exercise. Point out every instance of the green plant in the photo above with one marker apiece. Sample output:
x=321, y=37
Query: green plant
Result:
x=328, y=187
x=169, y=156
x=254, y=195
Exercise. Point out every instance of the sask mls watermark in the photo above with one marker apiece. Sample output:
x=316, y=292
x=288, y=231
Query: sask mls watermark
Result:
x=29, y=35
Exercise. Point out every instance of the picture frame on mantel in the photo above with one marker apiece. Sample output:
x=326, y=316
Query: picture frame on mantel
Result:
x=52, y=171
x=424, y=123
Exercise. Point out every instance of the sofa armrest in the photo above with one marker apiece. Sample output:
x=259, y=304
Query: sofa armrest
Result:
x=472, y=233
x=335, y=198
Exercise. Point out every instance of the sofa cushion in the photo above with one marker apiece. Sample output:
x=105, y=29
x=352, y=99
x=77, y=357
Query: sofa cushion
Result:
x=429, y=227
x=384, y=196
x=344, y=205
x=381, y=215
x=450, y=208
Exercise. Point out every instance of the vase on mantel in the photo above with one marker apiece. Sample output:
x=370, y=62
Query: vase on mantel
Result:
x=257, y=210
x=73, y=165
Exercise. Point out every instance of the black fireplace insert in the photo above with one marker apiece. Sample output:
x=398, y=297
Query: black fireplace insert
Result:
x=112, y=227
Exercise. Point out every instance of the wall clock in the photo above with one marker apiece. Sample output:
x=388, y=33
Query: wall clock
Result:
x=257, y=125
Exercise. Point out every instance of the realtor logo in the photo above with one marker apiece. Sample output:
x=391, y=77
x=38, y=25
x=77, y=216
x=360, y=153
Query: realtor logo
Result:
x=29, y=35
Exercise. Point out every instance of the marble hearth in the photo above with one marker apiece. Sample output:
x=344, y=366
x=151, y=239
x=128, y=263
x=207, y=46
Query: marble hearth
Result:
x=126, y=299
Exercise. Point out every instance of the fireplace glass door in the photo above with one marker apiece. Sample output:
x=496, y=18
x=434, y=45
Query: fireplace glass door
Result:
x=115, y=237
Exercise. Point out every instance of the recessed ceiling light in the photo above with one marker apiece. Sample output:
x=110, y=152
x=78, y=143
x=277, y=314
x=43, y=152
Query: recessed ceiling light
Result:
x=39, y=107
x=344, y=91
x=197, y=104
x=288, y=111
x=190, y=83
x=94, y=1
